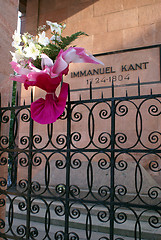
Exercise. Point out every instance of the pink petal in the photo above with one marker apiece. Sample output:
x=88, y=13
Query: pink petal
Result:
x=60, y=64
x=75, y=55
x=47, y=111
x=19, y=69
x=79, y=55
x=46, y=61
x=44, y=81
x=19, y=78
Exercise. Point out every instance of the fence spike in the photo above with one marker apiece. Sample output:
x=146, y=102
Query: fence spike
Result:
x=151, y=91
x=138, y=86
x=126, y=93
x=31, y=95
x=80, y=97
x=102, y=95
x=68, y=93
x=90, y=90
x=24, y=102
x=112, y=89
x=8, y=104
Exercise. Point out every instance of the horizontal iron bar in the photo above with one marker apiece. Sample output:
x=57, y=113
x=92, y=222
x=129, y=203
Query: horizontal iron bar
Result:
x=7, y=236
x=83, y=150
x=126, y=98
x=115, y=86
x=153, y=96
x=85, y=201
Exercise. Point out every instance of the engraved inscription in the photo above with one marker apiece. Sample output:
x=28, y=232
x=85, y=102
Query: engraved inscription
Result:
x=121, y=68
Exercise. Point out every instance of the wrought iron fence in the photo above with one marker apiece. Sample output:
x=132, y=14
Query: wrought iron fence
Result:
x=94, y=174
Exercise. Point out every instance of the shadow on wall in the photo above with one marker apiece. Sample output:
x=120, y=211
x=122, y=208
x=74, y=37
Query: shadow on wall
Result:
x=54, y=10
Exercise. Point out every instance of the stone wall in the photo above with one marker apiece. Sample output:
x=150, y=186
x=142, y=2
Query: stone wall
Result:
x=111, y=25
x=8, y=23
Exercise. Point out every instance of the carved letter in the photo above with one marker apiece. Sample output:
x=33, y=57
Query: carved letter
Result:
x=145, y=64
x=82, y=73
x=131, y=67
x=89, y=73
x=138, y=66
x=124, y=68
x=102, y=71
x=95, y=71
x=75, y=74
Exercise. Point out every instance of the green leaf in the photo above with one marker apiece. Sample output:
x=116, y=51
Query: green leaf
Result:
x=52, y=50
x=65, y=41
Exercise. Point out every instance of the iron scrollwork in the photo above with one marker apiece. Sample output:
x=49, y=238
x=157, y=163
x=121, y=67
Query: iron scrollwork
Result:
x=97, y=168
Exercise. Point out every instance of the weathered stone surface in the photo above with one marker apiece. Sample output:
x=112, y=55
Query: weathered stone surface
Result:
x=139, y=36
x=103, y=7
x=158, y=33
x=8, y=22
x=117, y=21
x=127, y=4
x=149, y=14
x=110, y=41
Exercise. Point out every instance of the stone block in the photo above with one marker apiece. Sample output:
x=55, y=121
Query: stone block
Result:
x=45, y=6
x=85, y=42
x=76, y=2
x=71, y=27
x=32, y=8
x=96, y=26
x=53, y=16
x=92, y=27
x=31, y=25
x=149, y=14
x=103, y=7
x=101, y=176
x=139, y=36
x=127, y=4
x=123, y=19
x=5, y=89
x=9, y=13
x=107, y=42
x=80, y=11
x=158, y=33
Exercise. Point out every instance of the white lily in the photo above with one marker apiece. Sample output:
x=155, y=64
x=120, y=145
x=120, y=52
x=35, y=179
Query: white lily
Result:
x=31, y=51
x=18, y=55
x=27, y=38
x=43, y=39
x=54, y=27
x=55, y=37
x=16, y=39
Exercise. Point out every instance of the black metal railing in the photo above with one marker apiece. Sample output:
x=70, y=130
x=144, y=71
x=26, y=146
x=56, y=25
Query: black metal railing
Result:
x=94, y=174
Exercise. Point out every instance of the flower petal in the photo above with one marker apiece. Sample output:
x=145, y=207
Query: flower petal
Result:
x=19, y=69
x=78, y=55
x=47, y=111
x=43, y=80
x=75, y=55
x=46, y=61
x=18, y=78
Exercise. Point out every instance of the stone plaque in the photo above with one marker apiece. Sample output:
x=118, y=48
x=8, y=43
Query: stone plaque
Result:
x=122, y=67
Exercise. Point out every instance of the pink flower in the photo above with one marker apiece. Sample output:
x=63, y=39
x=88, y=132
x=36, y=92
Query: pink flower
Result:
x=48, y=110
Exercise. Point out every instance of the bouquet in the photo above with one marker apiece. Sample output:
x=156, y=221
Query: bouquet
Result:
x=42, y=62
